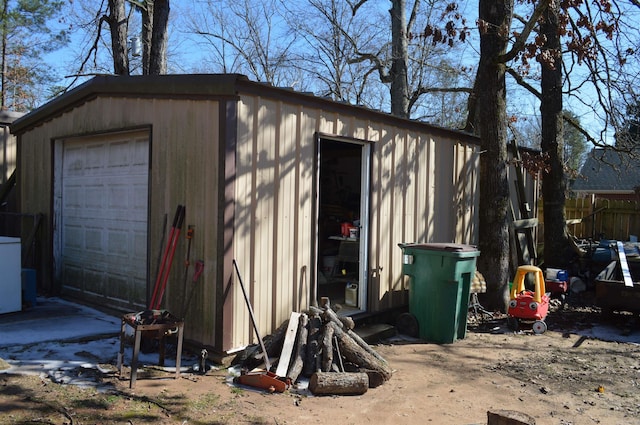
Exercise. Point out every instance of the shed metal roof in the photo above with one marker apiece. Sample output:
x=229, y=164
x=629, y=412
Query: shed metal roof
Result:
x=204, y=86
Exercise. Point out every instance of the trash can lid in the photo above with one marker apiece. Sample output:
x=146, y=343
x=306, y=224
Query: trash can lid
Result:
x=447, y=247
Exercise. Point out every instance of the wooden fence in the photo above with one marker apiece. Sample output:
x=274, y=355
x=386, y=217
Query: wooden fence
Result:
x=602, y=219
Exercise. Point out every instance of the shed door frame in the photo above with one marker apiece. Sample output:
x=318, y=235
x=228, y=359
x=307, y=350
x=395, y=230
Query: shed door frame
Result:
x=364, y=209
x=58, y=211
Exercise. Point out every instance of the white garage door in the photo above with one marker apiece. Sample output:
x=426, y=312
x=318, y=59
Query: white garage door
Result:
x=103, y=218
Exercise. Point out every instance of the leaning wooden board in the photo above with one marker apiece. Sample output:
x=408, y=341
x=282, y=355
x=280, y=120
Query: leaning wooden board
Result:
x=287, y=347
x=626, y=275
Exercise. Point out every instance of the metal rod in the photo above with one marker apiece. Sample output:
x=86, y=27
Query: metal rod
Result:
x=267, y=363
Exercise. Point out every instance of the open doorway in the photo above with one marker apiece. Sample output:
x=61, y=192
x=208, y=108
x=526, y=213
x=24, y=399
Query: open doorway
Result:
x=343, y=209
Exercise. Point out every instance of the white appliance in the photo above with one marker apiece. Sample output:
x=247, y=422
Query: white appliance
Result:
x=10, y=277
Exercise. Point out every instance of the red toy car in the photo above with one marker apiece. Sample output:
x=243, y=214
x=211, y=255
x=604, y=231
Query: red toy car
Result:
x=528, y=306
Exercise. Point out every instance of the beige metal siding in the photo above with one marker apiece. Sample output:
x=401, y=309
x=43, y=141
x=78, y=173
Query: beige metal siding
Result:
x=184, y=170
x=423, y=189
x=272, y=240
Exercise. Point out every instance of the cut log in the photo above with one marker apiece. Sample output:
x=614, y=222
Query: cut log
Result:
x=357, y=355
x=301, y=349
x=325, y=302
x=311, y=362
x=375, y=378
x=332, y=383
x=331, y=316
x=362, y=343
x=347, y=322
x=251, y=357
x=509, y=417
x=327, y=348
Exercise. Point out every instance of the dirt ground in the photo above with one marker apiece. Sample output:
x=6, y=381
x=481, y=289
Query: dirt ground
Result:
x=558, y=377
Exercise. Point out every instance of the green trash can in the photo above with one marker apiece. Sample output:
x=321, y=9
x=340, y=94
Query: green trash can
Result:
x=440, y=280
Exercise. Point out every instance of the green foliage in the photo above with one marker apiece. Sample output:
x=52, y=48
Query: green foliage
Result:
x=629, y=136
x=575, y=145
x=27, y=32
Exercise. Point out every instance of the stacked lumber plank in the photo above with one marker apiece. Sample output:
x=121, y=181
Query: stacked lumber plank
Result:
x=319, y=345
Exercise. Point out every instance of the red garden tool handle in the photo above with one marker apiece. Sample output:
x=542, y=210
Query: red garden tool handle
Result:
x=167, y=259
x=199, y=268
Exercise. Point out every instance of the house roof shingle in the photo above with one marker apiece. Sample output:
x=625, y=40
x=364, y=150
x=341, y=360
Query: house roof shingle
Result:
x=606, y=170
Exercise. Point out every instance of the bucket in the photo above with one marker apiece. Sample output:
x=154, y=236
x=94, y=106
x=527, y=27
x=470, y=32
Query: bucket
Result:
x=328, y=263
x=351, y=294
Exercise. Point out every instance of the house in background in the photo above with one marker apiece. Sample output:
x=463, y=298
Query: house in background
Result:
x=270, y=178
x=607, y=174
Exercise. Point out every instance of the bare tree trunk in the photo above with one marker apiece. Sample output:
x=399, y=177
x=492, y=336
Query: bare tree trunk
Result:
x=400, y=57
x=5, y=31
x=147, y=30
x=556, y=241
x=493, y=262
x=118, y=26
x=158, y=57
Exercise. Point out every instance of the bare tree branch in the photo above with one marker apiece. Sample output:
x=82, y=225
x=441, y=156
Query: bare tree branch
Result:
x=521, y=82
x=379, y=65
x=415, y=96
x=92, y=52
x=356, y=6
x=414, y=14
x=524, y=35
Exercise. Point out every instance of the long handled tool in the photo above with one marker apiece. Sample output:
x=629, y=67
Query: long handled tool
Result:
x=167, y=259
x=187, y=262
x=164, y=235
x=199, y=268
x=265, y=380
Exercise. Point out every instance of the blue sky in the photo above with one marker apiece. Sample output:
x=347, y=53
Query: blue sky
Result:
x=188, y=55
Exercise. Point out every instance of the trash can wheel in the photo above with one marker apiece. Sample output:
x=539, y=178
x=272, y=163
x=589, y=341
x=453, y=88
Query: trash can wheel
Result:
x=539, y=327
x=407, y=324
x=513, y=323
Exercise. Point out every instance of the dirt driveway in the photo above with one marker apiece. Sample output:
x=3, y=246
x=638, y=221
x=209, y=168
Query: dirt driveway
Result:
x=564, y=376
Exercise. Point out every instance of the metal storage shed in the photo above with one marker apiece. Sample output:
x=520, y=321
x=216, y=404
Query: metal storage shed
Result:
x=267, y=176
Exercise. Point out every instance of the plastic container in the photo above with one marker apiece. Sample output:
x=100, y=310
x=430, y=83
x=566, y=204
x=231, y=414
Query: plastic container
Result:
x=29, y=288
x=351, y=294
x=11, y=281
x=440, y=280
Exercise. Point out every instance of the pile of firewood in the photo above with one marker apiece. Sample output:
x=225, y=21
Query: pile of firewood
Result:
x=320, y=345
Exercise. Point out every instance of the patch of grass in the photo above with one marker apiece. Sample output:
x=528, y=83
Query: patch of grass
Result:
x=204, y=402
x=237, y=391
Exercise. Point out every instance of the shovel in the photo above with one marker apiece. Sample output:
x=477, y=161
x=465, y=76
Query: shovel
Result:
x=265, y=380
